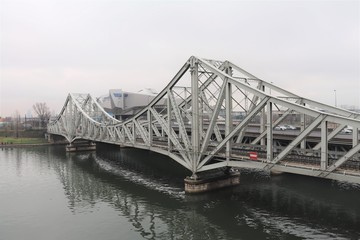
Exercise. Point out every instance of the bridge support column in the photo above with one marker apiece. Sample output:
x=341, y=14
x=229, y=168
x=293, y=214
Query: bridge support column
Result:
x=355, y=137
x=228, y=117
x=229, y=110
x=195, y=126
x=262, y=120
x=49, y=137
x=150, y=130
x=81, y=146
x=302, y=128
x=269, y=135
x=168, y=107
x=324, y=145
x=208, y=184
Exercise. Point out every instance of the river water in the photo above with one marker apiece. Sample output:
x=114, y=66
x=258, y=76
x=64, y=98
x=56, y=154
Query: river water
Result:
x=46, y=193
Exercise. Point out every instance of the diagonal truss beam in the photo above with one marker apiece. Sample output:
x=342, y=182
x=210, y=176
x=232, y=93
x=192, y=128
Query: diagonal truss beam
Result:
x=296, y=141
x=179, y=120
x=341, y=161
x=227, y=138
x=213, y=120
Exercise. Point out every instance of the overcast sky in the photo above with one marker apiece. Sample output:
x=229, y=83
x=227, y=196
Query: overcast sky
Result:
x=49, y=48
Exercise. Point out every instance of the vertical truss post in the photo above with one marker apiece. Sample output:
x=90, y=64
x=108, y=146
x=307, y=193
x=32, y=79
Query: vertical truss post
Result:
x=195, y=133
x=168, y=107
x=262, y=120
x=355, y=136
x=355, y=140
x=149, y=118
x=269, y=135
x=70, y=122
x=186, y=102
x=133, y=131
x=324, y=145
x=302, y=127
x=228, y=115
x=201, y=117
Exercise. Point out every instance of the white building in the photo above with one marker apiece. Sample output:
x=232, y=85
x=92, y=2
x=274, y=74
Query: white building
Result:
x=122, y=104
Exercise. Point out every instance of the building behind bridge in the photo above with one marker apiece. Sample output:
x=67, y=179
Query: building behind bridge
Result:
x=122, y=105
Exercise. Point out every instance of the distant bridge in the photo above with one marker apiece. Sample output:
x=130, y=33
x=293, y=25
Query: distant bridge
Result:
x=198, y=126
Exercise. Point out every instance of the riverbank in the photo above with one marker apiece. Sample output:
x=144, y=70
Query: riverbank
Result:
x=21, y=140
x=32, y=133
x=10, y=142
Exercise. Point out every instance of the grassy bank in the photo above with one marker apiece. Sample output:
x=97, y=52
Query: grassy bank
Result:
x=11, y=140
x=33, y=133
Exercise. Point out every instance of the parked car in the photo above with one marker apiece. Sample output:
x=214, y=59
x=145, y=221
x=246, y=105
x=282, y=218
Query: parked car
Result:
x=347, y=130
x=280, y=127
x=290, y=127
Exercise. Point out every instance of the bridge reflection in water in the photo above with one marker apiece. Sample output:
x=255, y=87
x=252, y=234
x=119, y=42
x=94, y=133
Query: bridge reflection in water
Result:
x=146, y=189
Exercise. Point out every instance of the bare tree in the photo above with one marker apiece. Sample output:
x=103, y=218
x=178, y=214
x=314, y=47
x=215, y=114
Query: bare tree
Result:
x=43, y=112
x=15, y=122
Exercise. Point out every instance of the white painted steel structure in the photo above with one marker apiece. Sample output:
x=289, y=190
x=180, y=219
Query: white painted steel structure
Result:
x=198, y=130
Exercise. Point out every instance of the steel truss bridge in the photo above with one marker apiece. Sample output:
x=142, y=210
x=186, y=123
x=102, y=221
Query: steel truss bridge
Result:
x=200, y=120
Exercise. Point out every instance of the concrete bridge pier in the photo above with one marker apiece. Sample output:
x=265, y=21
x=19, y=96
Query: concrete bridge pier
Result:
x=200, y=185
x=49, y=137
x=81, y=146
x=275, y=172
x=52, y=138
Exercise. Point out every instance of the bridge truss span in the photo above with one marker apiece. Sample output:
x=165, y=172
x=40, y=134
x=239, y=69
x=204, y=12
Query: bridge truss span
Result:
x=213, y=114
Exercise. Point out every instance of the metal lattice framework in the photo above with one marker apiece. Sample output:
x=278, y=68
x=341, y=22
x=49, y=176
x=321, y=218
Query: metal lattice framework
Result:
x=204, y=126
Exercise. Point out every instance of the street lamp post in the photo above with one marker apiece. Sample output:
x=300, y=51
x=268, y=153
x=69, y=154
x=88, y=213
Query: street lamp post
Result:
x=335, y=98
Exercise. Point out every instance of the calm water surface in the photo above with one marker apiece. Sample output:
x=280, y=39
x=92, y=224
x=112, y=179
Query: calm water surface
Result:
x=46, y=193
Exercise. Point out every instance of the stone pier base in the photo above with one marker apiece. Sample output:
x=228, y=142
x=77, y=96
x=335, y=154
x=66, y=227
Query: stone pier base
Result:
x=274, y=172
x=83, y=146
x=209, y=184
